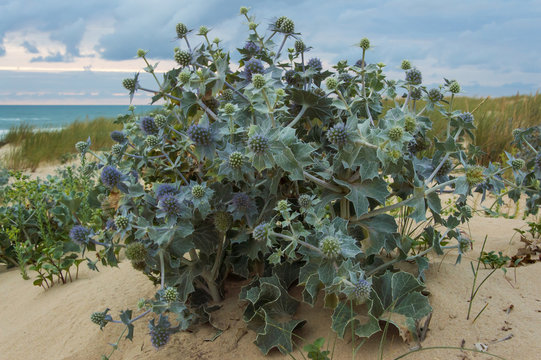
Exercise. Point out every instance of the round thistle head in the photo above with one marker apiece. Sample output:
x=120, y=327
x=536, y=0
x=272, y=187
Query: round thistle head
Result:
x=136, y=252
x=416, y=94
x=251, y=67
x=280, y=92
x=241, y=201
x=165, y=189
x=279, y=22
x=454, y=87
x=200, y=135
x=445, y=168
x=331, y=83
x=152, y=141
x=466, y=117
x=236, y=159
x=395, y=133
x=338, y=135
x=258, y=81
x=330, y=246
x=170, y=205
x=287, y=26
x=79, y=234
x=118, y=136
x=395, y=154
x=129, y=84
x=259, y=144
x=252, y=25
x=222, y=221
x=292, y=78
x=141, y=53
x=315, y=64
x=414, y=77
x=364, y=43
x=99, y=318
x=148, y=126
x=117, y=149
x=435, y=95
x=82, y=147
x=139, y=265
x=250, y=46
x=360, y=63
x=474, y=175
x=518, y=164
x=184, y=76
x=305, y=201
x=345, y=77
x=261, y=232
x=417, y=144
x=282, y=205
x=159, y=334
x=227, y=95
x=405, y=65
x=300, y=46
x=121, y=222
x=198, y=191
x=243, y=10
x=410, y=123
x=183, y=58
x=362, y=289
x=203, y=30
x=170, y=294
x=110, y=176
x=160, y=120
x=229, y=108
x=182, y=30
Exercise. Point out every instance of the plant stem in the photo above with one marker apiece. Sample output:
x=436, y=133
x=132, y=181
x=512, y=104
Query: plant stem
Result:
x=281, y=46
x=162, y=270
x=298, y=117
x=218, y=262
x=269, y=107
x=363, y=82
x=322, y=183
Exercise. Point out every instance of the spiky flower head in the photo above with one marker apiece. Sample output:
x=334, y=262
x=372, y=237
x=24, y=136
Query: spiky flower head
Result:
x=287, y=26
x=165, y=189
x=160, y=333
x=118, y=136
x=182, y=30
x=279, y=22
x=415, y=94
x=405, y=65
x=82, y=147
x=395, y=133
x=117, y=149
x=241, y=201
x=454, y=87
x=183, y=58
x=203, y=30
x=414, y=77
x=252, y=25
x=410, y=123
x=236, y=159
x=200, y=135
x=141, y=53
x=251, y=46
x=467, y=117
x=362, y=289
x=282, y=205
x=152, y=141
x=79, y=234
x=121, y=222
x=170, y=205
x=417, y=144
x=305, y=201
x=170, y=294
x=261, y=232
x=110, y=176
x=184, y=76
x=360, y=63
x=136, y=252
x=258, y=81
x=300, y=46
x=474, y=175
x=99, y=318
x=516, y=133
x=222, y=221
x=160, y=120
x=259, y=144
x=251, y=67
x=364, y=43
x=243, y=10
x=198, y=191
x=227, y=95
x=314, y=63
x=229, y=108
x=338, y=135
x=435, y=95
x=139, y=265
x=148, y=126
x=331, y=83
x=518, y=164
x=280, y=92
x=129, y=84
x=330, y=246
x=445, y=168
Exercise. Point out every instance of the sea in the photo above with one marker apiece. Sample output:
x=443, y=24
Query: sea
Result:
x=55, y=117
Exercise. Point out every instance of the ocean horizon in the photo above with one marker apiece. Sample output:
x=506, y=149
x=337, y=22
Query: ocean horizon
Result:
x=54, y=117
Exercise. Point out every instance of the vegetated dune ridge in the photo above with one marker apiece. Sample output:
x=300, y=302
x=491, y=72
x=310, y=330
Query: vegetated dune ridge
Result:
x=54, y=324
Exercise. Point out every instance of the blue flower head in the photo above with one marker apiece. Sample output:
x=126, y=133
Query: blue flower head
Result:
x=110, y=176
x=253, y=66
x=79, y=234
x=148, y=126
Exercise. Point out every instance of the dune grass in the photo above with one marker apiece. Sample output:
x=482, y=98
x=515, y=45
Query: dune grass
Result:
x=31, y=147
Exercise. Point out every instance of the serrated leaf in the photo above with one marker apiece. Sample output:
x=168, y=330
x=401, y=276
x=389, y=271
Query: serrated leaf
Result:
x=360, y=192
x=381, y=234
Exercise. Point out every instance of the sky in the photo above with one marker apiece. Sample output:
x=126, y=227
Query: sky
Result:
x=78, y=52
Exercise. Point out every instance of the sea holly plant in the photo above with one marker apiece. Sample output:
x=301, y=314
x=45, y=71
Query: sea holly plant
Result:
x=288, y=174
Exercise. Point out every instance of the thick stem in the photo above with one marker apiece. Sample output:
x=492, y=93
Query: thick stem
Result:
x=281, y=46
x=322, y=183
x=298, y=117
x=367, y=108
x=162, y=270
x=269, y=107
x=219, y=258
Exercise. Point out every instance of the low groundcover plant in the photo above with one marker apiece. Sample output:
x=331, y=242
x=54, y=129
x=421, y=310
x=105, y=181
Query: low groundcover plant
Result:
x=285, y=173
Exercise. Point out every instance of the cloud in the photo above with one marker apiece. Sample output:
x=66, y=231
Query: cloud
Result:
x=53, y=57
x=32, y=49
x=2, y=50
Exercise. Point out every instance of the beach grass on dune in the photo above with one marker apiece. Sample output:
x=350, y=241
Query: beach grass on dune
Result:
x=31, y=148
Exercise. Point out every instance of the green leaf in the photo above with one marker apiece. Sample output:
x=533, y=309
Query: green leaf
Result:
x=381, y=234
x=277, y=335
x=360, y=192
